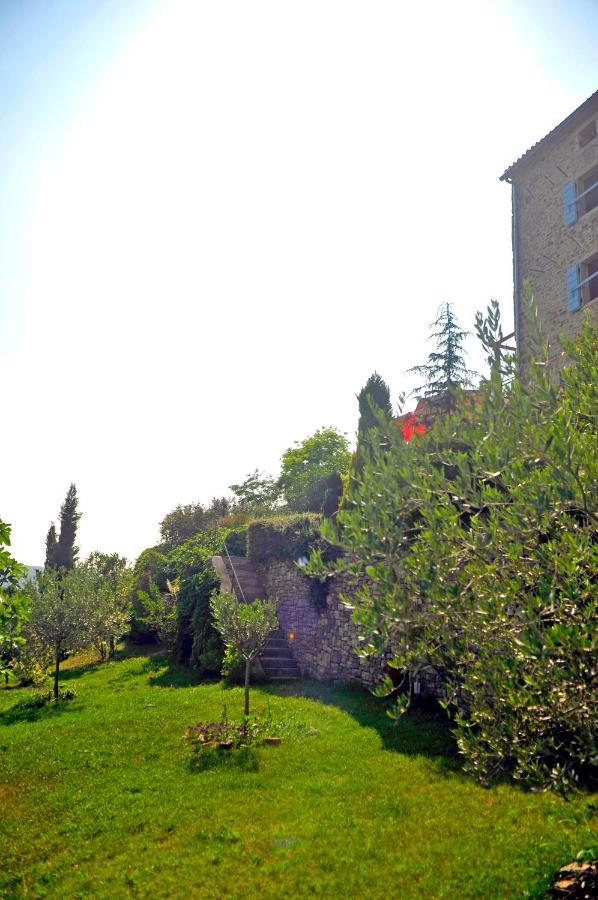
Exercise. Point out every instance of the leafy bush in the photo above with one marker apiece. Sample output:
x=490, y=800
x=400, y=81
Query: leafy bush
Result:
x=198, y=643
x=181, y=618
x=478, y=540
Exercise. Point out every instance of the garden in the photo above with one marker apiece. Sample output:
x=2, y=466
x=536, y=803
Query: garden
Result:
x=139, y=757
x=102, y=796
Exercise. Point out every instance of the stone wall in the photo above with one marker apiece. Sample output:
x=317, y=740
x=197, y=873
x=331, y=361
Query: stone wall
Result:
x=546, y=246
x=322, y=636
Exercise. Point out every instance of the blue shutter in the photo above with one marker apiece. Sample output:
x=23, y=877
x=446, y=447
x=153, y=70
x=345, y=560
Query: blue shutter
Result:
x=573, y=289
x=570, y=203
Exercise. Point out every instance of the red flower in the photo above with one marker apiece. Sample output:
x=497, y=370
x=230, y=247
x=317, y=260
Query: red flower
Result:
x=411, y=426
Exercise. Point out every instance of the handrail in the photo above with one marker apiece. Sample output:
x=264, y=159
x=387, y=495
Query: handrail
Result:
x=235, y=573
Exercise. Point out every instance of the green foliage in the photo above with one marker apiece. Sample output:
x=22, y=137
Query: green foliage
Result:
x=185, y=521
x=112, y=609
x=63, y=613
x=244, y=627
x=51, y=547
x=65, y=551
x=446, y=368
x=306, y=467
x=183, y=620
x=13, y=603
x=283, y=537
x=257, y=494
x=38, y=701
x=479, y=543
x=374, y=396
x=198, y=644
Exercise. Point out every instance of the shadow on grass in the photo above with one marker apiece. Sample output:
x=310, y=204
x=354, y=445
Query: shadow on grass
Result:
x=244, y=759
x=423, y=731
x=123, y=652
x=164, y=673
x=24, y=712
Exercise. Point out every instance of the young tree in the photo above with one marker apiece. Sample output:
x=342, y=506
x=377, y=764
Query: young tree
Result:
x=62, y=613
x=306, y=467
x=65, y=555
x=446, y=368
x=244, y=628
x=112, y=611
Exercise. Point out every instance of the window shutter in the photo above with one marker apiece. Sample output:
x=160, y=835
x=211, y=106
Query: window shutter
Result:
x=573, y=289
x=570, y=203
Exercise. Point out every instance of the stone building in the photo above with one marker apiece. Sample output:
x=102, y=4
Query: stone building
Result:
x=554, y=189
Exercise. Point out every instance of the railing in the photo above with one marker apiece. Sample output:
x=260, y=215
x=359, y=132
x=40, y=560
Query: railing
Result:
x=233, y=570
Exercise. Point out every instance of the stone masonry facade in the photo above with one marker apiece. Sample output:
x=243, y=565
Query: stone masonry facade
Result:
x=323, y=640
x=554, y=234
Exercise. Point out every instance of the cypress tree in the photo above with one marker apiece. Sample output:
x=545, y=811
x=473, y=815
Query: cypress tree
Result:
x=66, y=551
x=375, y=394
x=51, y=545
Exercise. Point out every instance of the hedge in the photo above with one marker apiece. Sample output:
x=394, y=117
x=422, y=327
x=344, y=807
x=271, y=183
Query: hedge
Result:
x=287, y=537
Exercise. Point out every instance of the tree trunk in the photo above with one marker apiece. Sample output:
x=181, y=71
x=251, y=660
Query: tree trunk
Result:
x=56, y=671
x=247, y=669
x=112, y=647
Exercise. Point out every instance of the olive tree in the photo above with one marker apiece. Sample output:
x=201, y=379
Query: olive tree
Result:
x=112, y=607
x=476, y=548
x=62, y=614
x=244, y=627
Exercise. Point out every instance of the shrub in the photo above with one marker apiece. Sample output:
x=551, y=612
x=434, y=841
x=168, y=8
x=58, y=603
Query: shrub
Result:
x=478, y=540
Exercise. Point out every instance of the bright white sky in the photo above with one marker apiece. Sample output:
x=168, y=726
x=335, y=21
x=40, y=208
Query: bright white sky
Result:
x=220, y=218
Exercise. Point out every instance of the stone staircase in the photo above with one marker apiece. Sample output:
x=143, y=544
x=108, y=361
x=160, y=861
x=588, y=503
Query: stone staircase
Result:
x=239, y=575
x=277, y=659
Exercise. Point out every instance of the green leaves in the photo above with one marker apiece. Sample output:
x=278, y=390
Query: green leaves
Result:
x=244, y=626
x=478, y=543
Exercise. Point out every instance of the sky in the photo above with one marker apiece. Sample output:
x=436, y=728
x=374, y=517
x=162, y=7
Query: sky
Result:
x=218, y=219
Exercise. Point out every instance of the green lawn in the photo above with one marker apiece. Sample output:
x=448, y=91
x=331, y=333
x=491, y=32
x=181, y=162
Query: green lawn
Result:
x=98, y=799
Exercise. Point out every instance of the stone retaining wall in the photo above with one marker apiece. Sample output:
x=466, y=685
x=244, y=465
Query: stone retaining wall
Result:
x=323, y=640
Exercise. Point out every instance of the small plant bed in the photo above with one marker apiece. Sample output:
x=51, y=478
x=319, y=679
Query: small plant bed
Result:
x=224, y=735
x=37, y=701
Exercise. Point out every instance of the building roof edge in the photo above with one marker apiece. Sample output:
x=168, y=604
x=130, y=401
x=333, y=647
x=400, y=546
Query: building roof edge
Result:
x=578, y=113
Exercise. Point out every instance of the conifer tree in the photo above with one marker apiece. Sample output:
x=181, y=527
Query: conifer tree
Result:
x=375, y=394
x=51, y=545
x=66, y=552
x=446, y=368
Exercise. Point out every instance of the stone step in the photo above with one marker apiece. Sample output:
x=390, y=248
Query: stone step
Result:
x=276, y=652
x=278, y=662
x=282, y=673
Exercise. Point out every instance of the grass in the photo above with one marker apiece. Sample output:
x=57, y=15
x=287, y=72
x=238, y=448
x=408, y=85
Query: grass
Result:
x=98, y=797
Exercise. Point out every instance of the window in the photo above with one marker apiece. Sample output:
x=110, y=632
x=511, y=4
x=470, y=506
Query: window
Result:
x=582, y=283
x=587, y=134
x=589, y=279
x=581, y=196
x=588, y=195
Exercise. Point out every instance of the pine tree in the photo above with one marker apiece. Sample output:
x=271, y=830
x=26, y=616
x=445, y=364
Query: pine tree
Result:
x=446, y=368
x=374, y=395
x=66, y=551
x=51, y=545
